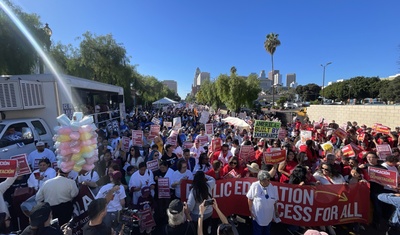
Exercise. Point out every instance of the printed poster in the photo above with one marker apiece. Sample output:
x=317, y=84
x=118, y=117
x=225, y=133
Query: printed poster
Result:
x=266, y=129
x=137, y=138
x=163, y=188
x=8, y=168
x=24, y=168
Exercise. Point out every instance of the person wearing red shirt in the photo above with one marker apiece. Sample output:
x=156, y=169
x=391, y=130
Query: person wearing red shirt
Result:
x=216, y=171
x=224, y=155
x=238, y=171
x=260, y=151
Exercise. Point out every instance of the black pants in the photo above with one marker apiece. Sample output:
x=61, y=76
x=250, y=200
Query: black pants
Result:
x=63, y=212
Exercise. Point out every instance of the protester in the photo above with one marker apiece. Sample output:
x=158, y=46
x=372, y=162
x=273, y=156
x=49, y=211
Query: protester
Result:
x=59, y=193
x=203, y=186
x=141, y=178
x=203, y=165
x=39, y=176
x=182, y=173
x=40, y=153
x=178, y=217
x=262, y=198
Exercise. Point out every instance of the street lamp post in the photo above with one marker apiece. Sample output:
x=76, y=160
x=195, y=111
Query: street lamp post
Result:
x=323, y=80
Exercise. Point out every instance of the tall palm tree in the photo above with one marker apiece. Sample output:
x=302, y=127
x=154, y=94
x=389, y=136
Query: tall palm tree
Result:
x=270, y=44
x=233, y=71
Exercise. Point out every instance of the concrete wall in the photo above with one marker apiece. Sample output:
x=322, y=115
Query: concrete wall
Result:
x=387, y=115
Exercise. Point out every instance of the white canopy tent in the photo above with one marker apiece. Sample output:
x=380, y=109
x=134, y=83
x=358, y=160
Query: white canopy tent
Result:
x=164, y=101
x=237, y=122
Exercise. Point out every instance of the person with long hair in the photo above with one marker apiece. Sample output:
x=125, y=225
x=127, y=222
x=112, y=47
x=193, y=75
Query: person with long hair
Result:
x=134, y=158
x=39, y=176
x=286, y=167
x=203, y=165
x=233, y=169
x=203, y=186
x=117, y=201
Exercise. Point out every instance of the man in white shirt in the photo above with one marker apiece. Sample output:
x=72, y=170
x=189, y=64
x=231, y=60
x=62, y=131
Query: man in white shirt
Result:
x=196, y=150
x=40, y=153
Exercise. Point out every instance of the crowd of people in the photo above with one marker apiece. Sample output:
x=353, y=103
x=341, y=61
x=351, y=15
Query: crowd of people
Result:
x=121, y=178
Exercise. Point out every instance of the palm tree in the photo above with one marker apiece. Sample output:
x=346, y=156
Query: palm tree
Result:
x=233, y=71
x=270, y=44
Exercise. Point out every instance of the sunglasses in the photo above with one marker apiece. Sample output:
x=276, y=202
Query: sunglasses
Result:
x=325, y=169
x=233, y=163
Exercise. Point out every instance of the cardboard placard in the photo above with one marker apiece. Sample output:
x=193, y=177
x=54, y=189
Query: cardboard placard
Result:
x=339, y=132
x=209, y=128
x=125, y=144
x=382, y=129
x=168, y=124
x=154, y=131
x=146, y=220
x=8, y=168
x=24, y=168
x=137, y=138
x=361, y=136
x=383, y=177
x=383, y=150
x=156, y=121
x=305, y=135
x=153, y=165
x=177, y=123
x=266, y=129
x=348, y=151
x=232, y=174
x=203, y=140
x=163, y=188
x=216, y=144
x=247, y=153
x=187, y=145
x=275, y=157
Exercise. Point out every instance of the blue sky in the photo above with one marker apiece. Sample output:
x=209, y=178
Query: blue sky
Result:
x=169, y=39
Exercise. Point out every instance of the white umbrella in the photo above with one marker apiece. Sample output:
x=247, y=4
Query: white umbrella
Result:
x=237, y=122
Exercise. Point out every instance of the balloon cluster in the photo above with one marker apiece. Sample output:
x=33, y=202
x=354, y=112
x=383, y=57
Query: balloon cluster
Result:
x=76, y=143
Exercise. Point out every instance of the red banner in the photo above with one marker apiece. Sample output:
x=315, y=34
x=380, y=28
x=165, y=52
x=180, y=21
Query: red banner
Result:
x=137, y=138
x=383, y=150
x=383, y=176
x=8, y=168
x=163, y=188
x=298, y=205
x=339, y=132
x=275, y=157
x=24, y=168
x=247, y=153
x=80, y=214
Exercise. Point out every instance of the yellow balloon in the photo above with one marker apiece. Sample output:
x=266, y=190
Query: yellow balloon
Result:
x=85, y=136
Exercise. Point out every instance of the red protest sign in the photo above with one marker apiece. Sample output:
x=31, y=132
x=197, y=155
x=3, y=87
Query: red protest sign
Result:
x=154, y=131
x=383, y=150
x=8, y=168
x=209, y=128
x=348, y=151
x=146, y=220
x=168, y=124
x=382, y=129
x=203, y=140
x=297, y=205
x=125, y=143
x=153, y=165
x=247, y=153
x=361, y=136
x=24, y=168
x=383, y=176
x=216, y=144
x=187, y=145
x=137, y=138
x=163, y=188
x=272, y=158
x=339, y=132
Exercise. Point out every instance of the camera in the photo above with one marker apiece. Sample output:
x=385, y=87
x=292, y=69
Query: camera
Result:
x=129, y=217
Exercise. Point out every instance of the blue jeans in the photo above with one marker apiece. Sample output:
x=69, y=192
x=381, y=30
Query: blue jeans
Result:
x=261, y=230
x=391, y=199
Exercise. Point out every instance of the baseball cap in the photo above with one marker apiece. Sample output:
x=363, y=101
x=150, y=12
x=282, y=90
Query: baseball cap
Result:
x=175, y=207
x=39, y=214
x=145, y=191
x=40, y=143
x=116, y=175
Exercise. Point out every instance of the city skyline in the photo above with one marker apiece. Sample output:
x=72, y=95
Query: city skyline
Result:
x=165, y=40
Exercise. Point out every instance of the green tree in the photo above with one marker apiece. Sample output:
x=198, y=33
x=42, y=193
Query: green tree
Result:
x=270, y=45
x=308, y=92
x=222, y=86
x=17, y=54
x=252, y=90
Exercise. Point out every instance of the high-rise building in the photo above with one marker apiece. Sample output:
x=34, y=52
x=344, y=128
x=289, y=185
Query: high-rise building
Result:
x=270, y=76
x=277, y=79
x=171, y=84
x=265, y=84
x=290, y=77
x=199, y=78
